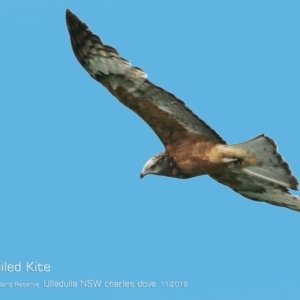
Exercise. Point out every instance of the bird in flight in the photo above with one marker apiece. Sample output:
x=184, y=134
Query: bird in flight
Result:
x=253, y=169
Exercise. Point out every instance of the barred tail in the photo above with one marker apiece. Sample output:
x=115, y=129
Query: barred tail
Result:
x=273, y=167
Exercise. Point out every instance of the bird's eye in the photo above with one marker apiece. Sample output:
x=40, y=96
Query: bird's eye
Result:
x=152, y=167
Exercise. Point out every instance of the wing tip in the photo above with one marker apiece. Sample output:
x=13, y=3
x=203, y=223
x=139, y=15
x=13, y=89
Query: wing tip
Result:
x=74, y=24
x=70, y=15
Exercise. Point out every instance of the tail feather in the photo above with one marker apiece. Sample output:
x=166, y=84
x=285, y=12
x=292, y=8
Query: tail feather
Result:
x=266, y=178
x=273, y=167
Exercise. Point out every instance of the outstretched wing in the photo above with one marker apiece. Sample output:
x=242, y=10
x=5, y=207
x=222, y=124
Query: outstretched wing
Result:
x=258, y=188
x=168, y=116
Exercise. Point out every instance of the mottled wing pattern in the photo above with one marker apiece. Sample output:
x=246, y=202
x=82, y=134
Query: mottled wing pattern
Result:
x=257, y=188
x=168, y=116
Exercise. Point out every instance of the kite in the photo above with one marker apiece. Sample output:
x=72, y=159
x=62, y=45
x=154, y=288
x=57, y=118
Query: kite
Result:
x=253, y=169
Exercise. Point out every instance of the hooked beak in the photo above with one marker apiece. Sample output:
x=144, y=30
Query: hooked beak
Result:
x=142, y=175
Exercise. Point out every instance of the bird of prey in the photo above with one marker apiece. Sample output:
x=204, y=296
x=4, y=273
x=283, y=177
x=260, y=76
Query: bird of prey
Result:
x=253, y=169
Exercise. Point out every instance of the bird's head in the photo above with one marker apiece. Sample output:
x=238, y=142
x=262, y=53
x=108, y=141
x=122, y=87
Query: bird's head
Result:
x=157, y=165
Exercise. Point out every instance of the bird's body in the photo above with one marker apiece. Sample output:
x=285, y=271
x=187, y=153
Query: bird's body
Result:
x=254, y=169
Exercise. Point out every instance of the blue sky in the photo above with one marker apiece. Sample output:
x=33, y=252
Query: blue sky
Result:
x=71, y=154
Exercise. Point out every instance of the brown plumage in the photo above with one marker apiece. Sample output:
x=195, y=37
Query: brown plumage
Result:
x=253, y=169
